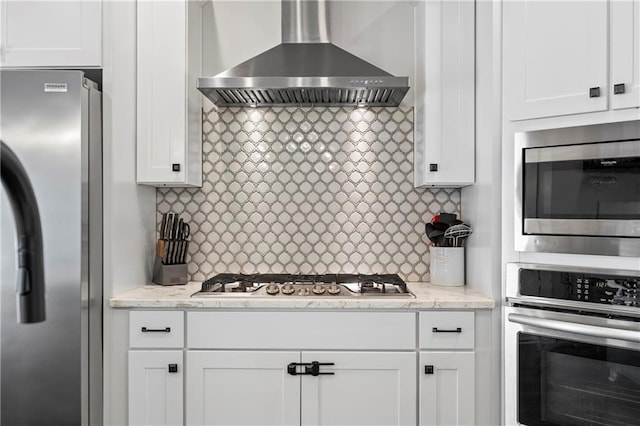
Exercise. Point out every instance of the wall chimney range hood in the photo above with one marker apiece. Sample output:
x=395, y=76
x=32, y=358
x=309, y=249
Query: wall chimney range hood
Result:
x=306, y=69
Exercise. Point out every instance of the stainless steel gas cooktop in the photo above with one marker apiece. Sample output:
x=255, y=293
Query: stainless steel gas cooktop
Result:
x=284, y=285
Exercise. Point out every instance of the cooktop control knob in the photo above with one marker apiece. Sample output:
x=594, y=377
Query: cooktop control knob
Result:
x=318, y=289
x=273, y=289
x=288, y=289
x=333, y=289
x=304, y=291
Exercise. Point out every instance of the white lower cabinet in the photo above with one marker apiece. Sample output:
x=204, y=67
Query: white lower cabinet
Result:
x=323, y=368
x=259, y=388
x=447, y=368
x=447, y=388
x=366, y=388
x=155, y=388
x=242, y=388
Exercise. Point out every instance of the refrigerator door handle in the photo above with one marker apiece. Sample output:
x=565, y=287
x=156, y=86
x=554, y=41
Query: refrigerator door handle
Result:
x=30, y=284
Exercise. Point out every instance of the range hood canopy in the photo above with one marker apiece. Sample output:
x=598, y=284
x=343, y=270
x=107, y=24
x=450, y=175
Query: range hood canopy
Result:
x=306, y=69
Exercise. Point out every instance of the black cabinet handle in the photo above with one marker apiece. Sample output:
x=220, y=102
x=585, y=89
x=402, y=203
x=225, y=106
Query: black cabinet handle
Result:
x=310, y=368
x=594, y=92
x=437, y=330
x=618, y=89
x=433, y=167
x=173, y=368
x=175, y=167
x=428, y=369
x=156, y=330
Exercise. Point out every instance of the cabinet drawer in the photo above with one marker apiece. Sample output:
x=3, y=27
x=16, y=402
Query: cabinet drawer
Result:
x=156, y=329
x=301, y=330
x=446, y=330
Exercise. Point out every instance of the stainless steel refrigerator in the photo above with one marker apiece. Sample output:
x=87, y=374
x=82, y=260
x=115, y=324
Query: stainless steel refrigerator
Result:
x=51, y=371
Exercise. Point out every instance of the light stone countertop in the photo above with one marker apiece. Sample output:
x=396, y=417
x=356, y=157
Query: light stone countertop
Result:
x=179, y=296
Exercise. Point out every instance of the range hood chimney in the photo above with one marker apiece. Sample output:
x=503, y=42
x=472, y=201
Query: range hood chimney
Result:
x=306, y=69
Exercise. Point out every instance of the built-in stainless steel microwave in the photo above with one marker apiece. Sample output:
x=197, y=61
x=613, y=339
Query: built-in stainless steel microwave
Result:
x=578, y=190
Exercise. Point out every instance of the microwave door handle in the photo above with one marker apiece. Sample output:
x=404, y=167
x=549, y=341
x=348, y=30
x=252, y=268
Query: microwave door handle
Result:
x=577, y=328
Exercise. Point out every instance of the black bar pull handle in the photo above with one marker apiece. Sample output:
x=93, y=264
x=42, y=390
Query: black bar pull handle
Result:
x=437, y=330
x=156, y=330
x=594, y=92
x=618, y=89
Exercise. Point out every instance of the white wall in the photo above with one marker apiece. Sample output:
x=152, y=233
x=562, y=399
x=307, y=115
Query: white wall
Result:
x=481, y=208
x=129, y=209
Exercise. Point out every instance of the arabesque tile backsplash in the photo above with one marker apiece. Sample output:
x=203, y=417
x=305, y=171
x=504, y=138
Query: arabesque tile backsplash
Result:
x=308, y=190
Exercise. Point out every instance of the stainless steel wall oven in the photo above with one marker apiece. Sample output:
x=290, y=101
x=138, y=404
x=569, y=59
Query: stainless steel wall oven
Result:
x=578, y=190
x=572, y=346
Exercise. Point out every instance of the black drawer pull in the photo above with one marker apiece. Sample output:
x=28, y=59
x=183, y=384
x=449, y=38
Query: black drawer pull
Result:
x=436, y=330
x=618, y=89
x=156, y=330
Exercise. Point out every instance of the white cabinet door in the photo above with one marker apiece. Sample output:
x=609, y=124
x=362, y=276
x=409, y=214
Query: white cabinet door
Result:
x=447, y=388
x=445, y=93
x=554, y=53
x=155, y=388
x=625, y=54
x=242, y=388
x=367, y=388
x=50, y=33
x=169, y=107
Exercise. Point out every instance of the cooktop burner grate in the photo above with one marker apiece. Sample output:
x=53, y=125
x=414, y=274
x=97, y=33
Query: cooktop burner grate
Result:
x=327, y=285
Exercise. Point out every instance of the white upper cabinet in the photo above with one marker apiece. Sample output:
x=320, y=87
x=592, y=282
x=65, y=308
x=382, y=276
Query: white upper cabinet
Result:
x=444, y=154
x=570, y=57
x=50, y=33
x=625, y=54
x=169, y=106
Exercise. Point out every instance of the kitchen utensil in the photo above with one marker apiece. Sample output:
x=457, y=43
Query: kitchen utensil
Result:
x=457, y=234
x=178, y=235
x=186, y=230
x=160, y=248
x=435, y=235
x=447, y=218
x=174, y=227
x=167, y=228
x=163, y=226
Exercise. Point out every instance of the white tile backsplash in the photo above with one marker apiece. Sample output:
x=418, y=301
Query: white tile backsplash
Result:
x=308, y=190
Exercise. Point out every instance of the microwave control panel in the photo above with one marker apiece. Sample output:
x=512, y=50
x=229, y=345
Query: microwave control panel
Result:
x=603, y=289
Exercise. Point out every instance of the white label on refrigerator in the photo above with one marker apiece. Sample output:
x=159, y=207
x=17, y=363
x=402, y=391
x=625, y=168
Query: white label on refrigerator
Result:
x=55, y=87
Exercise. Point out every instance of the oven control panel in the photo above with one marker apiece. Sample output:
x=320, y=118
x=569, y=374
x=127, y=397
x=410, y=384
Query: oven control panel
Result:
x=603, y=289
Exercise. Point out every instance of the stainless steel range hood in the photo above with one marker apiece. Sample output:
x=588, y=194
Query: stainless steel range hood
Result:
x=306, y=69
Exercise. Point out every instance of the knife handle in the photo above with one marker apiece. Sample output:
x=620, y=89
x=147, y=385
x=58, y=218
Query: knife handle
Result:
x=162, y=224
x=160, y=248
x=167, y=252
x=185, y=249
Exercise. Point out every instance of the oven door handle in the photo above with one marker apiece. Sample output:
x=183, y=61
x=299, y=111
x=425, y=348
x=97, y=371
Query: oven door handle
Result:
x=577, y=328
